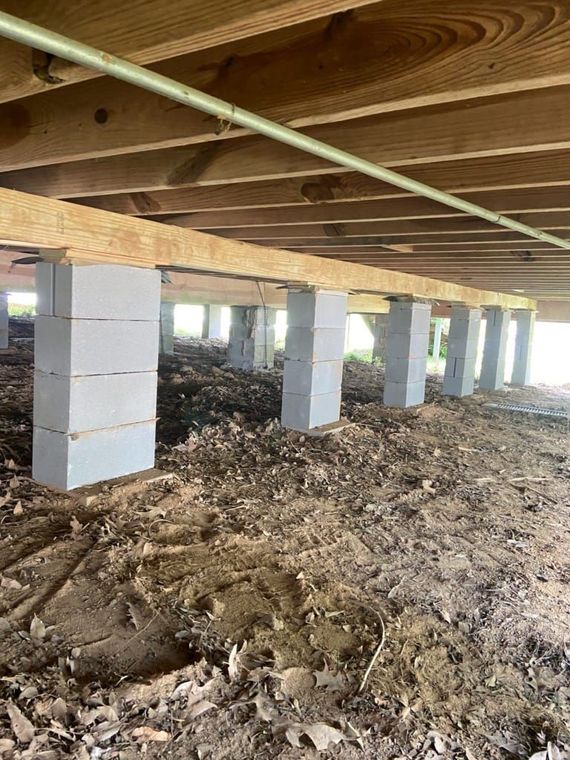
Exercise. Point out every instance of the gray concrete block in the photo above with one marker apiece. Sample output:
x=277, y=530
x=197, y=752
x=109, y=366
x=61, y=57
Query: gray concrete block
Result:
x=247, y=356
x=400, y=370
x=522, y=363
x=460, y=367
x=403, y=395
x=409, y=317
x=465, y=330
x=167, y=327
x=308, y=378
x=299, y=412
x=4, y=321
x=325, y=309
x=95, y=347
x=318, y=344
x=406, y=345
x=212, y=324
x=45, y=285
x=70, y=461
x=78, y=404
x=466, y=314
x=101, y=291
x=458, y=386
x=461, y=348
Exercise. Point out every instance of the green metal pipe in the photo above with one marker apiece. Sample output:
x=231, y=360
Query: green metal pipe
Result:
x=37, y=37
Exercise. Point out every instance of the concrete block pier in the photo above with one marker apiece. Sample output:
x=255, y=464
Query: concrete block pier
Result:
x=167, y=327
x=314, y=352
x=4, y=322
x=212, y=324
x=252, y=337
x=495, y=350
x=96, y=355
x=462, y=344
x=406, y=353
x=523, y=347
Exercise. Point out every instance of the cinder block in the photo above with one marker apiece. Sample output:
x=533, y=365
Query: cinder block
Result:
x=45, y=285
x=463, y=313
x=459, y=367
x=403, y=395
x=409, y=317
x=318, y=344
x=70, y=461
x=308, y=378
x=316, y=309
x=406, y=370
x=4, y=321
x=78, y=404
x=99, y=291
x=406, y=345
x=458, y=386
x=461, y=348
x=247, y=356
x=464, y=330
x=306, y=412
x=95, y=347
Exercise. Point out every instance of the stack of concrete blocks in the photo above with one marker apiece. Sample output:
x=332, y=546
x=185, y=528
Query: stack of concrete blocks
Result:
x=406, y=354
x=523, y=347
x=314, y=353
x=462, y=345
x=167, y=328
x=380, y=337
x=4, y=320
x=212, y=324
x=96, y=355
x=495, y=350
x=252, y=337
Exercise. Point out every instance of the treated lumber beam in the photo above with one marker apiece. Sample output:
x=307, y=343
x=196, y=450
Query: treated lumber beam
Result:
x=348, y=244
x=142, y=31
x=367, y=61
x=389, y=231
x=91, y=234
x=493, y=173
x=190, y=288
x=521, y=201
x=519, y=123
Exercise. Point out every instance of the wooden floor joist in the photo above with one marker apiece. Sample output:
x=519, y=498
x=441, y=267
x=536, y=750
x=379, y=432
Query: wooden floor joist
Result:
x=95, y=235
x=334, y=68
x=141, y=31
x=519, y=123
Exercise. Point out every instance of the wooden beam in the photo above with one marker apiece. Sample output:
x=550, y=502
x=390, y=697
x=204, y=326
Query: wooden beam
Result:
x=365, y=62
x=493, y=173
x=191, y=288
x=513, y=202
x=91, y=234
x=390, y=232
x=321, y=245
x=525, y=122
x=142, y=31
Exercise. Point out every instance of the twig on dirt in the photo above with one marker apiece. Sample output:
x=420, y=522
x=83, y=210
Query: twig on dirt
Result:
x=378, y=648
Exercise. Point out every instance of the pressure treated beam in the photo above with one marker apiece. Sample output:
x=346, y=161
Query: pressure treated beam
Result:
x=511, y=202
x=390, y=232
x=91, y=234
x=375, y=243
x=364, y=62
x=520, y=123
x=493, y=173
x=142, y=31
x=192, y=288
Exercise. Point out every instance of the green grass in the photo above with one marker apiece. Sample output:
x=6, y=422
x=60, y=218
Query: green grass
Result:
x=21, y=310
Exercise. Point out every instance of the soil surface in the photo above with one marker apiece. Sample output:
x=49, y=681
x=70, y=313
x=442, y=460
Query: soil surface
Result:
x=398, y=590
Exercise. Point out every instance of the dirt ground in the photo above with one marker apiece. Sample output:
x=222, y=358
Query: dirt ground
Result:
x=399, y=590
